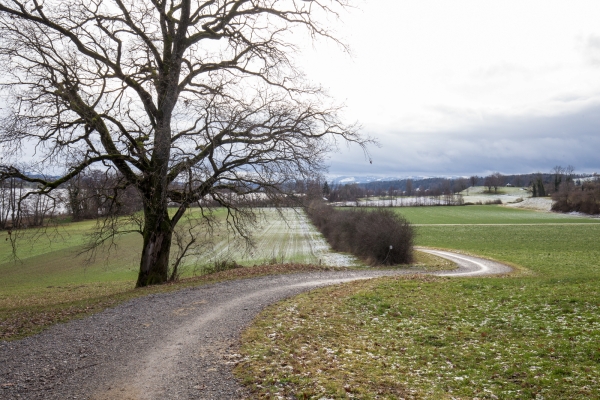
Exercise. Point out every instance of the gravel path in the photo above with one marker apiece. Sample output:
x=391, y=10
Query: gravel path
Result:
x=179, y=345
x=468, y=265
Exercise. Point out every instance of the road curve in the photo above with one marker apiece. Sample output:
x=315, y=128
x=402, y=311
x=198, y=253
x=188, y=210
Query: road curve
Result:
x=468, y=265
x=179, y=345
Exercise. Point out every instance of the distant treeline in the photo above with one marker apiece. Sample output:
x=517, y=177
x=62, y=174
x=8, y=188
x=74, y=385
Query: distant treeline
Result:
x=95, y=194
x=539, y=184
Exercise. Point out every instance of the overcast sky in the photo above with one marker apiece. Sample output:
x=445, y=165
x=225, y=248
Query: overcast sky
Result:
x=466, y=86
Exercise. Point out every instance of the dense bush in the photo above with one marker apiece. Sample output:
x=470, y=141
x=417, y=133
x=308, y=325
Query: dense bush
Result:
x=584, y=198
x=379, y=237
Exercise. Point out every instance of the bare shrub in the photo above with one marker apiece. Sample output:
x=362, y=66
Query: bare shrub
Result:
x=379, y=237
x=219, y=266
x=584, y=198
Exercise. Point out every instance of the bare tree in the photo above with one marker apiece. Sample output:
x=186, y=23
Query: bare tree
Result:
x=473, y=179
x=518, y=181
x=562, y=176
x=10, y=191
x=21, y=206
x=186, y=100
x=569, y=172
x=460, y=184
x=559, y=173
x=494, y=180
x=497, y=180
x=488, y=182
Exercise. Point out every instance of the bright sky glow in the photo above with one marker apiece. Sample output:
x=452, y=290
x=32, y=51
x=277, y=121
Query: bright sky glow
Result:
x=466, y=86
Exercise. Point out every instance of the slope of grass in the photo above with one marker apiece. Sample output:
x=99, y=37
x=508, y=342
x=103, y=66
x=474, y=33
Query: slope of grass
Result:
x=285, y=237
x=532, y=336
x=41, y=264
x=54, y=259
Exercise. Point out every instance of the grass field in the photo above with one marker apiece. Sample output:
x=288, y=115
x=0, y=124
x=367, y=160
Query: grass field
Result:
x=490, y=214
x=50, y=282
x=535, y=334
x=290, y=238
x=53, y=259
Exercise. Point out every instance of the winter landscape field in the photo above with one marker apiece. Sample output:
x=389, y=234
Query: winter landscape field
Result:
x=532, y=334
x=299, y=199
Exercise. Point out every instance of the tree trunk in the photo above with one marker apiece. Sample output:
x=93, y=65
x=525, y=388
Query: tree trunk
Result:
x=158, y=228
x=158, y=231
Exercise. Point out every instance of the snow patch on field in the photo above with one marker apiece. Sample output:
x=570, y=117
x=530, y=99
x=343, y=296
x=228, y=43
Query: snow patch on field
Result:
x=506, y=195
x=504, y=198
x=281, y=236
x=320, y=248
x=534, y=203
x=400, y=202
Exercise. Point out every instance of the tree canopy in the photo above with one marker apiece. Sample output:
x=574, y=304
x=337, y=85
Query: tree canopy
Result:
x=184, y=100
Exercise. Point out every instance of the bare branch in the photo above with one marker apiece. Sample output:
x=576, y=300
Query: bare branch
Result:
x=182, y=101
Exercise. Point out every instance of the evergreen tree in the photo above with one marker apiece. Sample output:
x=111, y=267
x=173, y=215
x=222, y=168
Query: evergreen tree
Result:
x=326, y=190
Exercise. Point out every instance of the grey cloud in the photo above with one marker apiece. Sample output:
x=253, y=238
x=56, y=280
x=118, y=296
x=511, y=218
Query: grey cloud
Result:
x=508, y=145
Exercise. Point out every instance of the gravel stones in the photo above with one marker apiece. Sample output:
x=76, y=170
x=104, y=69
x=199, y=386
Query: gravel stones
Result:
x=179, y=345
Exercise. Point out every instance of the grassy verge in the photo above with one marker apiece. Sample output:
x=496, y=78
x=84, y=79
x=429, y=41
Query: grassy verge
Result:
x=520, y=337
x=425, y=337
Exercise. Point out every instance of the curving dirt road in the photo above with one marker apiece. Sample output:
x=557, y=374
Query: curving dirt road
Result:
x=468, y=265
x=178, y=345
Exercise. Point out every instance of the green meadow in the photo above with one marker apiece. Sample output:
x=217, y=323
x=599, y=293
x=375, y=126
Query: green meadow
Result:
x=490, y=214
x=51, y=280
x=532, y=334
x=55, y=257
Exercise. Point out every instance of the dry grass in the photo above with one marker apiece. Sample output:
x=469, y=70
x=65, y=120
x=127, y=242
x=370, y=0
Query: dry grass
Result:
x=309, y=348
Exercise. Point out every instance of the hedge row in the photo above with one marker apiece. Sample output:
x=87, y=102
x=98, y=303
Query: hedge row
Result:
x=584, y=199
x=378, y=237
